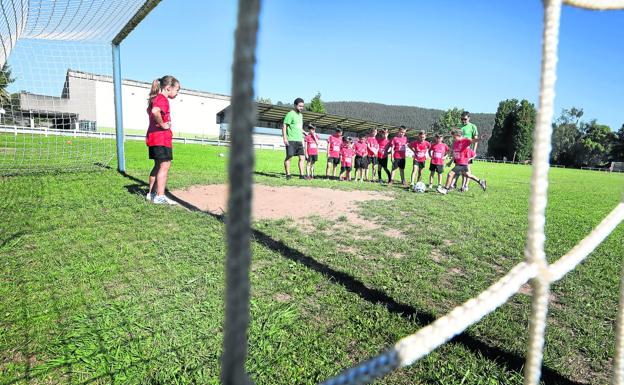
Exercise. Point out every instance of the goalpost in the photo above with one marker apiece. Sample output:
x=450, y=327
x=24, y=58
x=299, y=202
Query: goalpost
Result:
x=55, y=112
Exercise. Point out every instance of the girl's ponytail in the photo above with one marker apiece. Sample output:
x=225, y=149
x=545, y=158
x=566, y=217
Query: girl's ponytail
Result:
x=153, y=91
x=159, y=84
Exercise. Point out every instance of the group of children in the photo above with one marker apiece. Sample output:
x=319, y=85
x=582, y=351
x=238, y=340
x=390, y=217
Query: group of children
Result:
x=373, y=151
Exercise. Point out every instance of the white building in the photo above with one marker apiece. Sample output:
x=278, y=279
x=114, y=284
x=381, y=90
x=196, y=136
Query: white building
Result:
x=87, y=101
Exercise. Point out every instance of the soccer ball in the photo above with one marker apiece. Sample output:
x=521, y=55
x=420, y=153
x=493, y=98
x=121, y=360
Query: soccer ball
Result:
x=419, y=187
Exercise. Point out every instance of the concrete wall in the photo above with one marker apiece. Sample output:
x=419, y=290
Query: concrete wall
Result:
x=192, y=112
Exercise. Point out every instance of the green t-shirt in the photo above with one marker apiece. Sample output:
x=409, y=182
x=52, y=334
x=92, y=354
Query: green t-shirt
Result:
x=469, y=131
x=294, y=126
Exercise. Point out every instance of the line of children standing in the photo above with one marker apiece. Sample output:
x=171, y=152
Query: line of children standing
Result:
x=375, y=149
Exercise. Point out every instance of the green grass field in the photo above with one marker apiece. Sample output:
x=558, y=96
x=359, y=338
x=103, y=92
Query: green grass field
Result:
x=97, y=286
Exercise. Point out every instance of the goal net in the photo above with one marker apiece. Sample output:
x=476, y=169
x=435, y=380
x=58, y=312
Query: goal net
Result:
x=51, y=113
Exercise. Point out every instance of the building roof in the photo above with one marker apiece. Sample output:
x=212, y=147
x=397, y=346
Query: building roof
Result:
x=137, y=83
x=275, y=114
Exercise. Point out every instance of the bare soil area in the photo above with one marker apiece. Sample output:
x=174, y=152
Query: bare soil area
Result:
x=286, y=202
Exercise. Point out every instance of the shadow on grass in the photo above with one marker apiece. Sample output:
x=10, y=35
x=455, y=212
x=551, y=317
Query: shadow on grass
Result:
x=502, y=358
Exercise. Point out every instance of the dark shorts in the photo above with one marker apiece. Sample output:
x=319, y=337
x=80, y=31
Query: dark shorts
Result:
x=421, y=165
x=383, y=162
x=345, y=168
x=161, y=153
x=361, y=162
x=294, y=149
x=439, y=168
x=372, y=160
x=312, y=158
x=459, y=169
x=398, y=163
x=335, y=161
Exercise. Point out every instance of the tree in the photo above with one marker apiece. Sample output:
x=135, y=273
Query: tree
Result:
x=566, y=133
x=512, y=135
x=522, y=130
x=617, y=149
x=595, y=144
x=263, y=100
x=316, y=105
x=5, y=79
x=447, y=120
x=498, y=144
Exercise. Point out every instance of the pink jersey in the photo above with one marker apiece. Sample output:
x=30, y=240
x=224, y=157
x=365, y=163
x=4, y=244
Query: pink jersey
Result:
x=373, y=145
x=383, y=143
x=157, y=136
x=361, y=149
x=460, y=155
x=333, y=145
x=420, y=150
x=346, y=156
x=399, y=144
x=312, y=142
x=438, y=150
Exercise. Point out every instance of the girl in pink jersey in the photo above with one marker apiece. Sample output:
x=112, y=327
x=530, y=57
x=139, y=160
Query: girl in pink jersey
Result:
x=398, y=144
x=159, y=137
x=420, y=147
x=334, y=143
x=382, y=154
x=437, y=153
x=372, y=150
x=361, y=158
x=311, y=150
x=347, y=154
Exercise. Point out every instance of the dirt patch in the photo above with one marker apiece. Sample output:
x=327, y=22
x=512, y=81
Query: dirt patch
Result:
x=282, y=297
x=394, y=233
x=527, y=290
x=287, y=202
x=436, y=255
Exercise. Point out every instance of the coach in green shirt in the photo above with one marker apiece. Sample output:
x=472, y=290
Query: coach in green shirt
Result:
x=292, y=133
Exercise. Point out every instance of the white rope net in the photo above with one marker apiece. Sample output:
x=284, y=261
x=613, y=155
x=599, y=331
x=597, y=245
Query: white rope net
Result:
x=53, y=116
x=535, y=268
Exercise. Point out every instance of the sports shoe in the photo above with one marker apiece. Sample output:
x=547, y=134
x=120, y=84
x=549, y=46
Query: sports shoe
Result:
x=442, y=190
x=483, y=184
x=149, y=197
x=302, y=177
x=288, y=176
x=430, y=186
x=163, y=200
x=463, y=189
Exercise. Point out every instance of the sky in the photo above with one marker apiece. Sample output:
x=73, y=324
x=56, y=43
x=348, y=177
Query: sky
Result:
x=434, y=54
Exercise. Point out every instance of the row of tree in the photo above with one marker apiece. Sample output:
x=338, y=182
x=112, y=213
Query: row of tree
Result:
x=578, y=143
x=508, y=134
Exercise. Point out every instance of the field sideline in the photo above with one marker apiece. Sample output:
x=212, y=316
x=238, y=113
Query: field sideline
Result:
x=97, y=286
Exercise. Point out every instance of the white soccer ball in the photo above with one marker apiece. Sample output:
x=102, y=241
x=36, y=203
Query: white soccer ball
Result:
x=221, y=155
x=419, y=187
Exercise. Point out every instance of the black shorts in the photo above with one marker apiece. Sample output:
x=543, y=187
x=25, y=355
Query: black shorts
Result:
x=372, y=160
x=361, y=162
x=421, y=165
x=335, y=161
x=312, y=158
x=161, y=153
x=294, y=149
x=398, y=163
x=345, y=168
x=439, y=168
x=459, y=169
